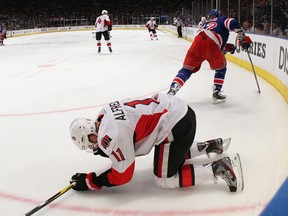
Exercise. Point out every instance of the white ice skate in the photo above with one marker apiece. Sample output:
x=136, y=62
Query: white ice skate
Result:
x=230, y=170
x=218, y=97
x=217, y=146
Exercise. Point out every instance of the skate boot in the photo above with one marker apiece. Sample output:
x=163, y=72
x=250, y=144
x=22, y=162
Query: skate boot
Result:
x=230, y=170
x=110, y=49
x=217, y=146
x=174, y=88
x=218, y=97
x=99, y=49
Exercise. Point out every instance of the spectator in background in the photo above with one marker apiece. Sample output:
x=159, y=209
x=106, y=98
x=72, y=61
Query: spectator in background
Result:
x=277, y=31
x=234, y=15
x=247, y=26
x=284, y=23
x=266, y=28
x=259, y=28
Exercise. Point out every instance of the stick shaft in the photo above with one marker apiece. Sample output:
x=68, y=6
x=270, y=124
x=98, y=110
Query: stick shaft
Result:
x=51, y=199
x=253, y=70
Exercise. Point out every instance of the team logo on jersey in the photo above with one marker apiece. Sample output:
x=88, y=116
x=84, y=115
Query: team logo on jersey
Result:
x=105, y=142
x=210, y=25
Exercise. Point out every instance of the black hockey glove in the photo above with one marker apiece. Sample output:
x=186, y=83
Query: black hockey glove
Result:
x=80, y=183
x=82, y=179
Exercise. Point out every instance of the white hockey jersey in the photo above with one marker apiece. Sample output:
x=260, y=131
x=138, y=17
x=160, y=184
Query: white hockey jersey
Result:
x=102, y=22
x=132, y=127
x=151, y=24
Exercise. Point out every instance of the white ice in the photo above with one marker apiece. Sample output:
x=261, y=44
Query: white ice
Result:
x=47, y=80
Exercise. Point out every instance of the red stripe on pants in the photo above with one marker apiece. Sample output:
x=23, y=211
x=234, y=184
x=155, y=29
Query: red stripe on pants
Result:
x=186, y=173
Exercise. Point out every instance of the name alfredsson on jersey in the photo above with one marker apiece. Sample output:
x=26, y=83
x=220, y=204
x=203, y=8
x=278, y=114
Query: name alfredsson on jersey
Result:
x=117, y=110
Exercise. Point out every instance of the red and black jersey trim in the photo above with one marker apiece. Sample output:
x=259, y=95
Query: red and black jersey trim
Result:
x=112, y=177
x=92, y=181
x=103, y=179
x=186, y=175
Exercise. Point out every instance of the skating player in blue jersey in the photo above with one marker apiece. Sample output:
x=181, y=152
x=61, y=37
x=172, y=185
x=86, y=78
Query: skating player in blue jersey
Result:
x=211, y=44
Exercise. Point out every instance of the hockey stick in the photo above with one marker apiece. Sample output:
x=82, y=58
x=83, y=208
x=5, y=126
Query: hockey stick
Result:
x=37, y=208
x=253, y=70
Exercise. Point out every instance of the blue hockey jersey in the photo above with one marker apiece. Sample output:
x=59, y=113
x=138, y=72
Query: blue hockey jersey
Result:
x=221, y=26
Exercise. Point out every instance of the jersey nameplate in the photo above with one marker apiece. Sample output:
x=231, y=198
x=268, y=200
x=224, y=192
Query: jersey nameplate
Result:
x=117, y=110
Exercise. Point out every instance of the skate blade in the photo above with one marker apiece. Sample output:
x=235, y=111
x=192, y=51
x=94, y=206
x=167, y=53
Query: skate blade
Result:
x=218, y=101
x=237, y=168
x=226, y=144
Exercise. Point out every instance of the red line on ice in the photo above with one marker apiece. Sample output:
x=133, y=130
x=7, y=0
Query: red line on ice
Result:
x=74, y=208
x=64, y=110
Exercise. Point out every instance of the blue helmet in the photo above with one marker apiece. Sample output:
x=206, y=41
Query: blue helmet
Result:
x=214, y=13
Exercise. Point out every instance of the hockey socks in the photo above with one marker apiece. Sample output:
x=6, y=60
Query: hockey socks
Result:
x=219, y=78
x=182, y=76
